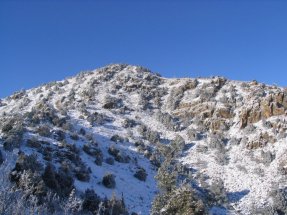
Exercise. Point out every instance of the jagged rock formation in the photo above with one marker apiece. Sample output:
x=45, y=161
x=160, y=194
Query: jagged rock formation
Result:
x=122, y=129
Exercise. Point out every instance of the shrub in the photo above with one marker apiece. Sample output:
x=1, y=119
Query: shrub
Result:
x=234, y=141
x=109, y=180
x=12, y=141
x=74, y=136
x=60, y=182
x=92, y=151
x=82, y=131
x=34, y=143
x=201, y=148
x=112, y=102
x=113, y=151
x=99, y=158
x=175, y=96
x=117, y=138
x=82, y=173
x=279, y=200
x=49, y=177
x=218, y=192
x=178, y=144
x=249, y=129
x=181, y=201
x=140, y=174
x=166, y=177
x=13, y=131
x=27, y=162
x=116, y=206
x=129, y=123
x=97, y=118
x=110, y=160
x=151, y=136
x=267, y=157
x=168, y=121
x=56, y=134
x=44, y=131
x=193, y=135
x=91, y=201
x=216, y=142
x=1, y=158
x=118, y=155
x=122, y=157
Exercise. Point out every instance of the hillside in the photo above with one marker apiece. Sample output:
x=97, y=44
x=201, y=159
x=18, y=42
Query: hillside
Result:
x=123, y=140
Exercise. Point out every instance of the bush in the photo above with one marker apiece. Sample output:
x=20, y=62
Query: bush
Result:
x=216, y=142
x=13, y=131
x=113, y=150
x=116, y=206
x=112, y=102
x=181, y=201
x=116, y=138
x=74, y=136
x=110, y=161
x=97, y=119
x=279, y=200
x=27, y=162
x=178, y=144
x=99, y=158
x=118, y=155
x=34, y=143
x=56, y=134
x=267, y=157
x=129, y=123
x=168, y=121
x=109, y=180
x=82, y=131
x=141, y=174
x=82, y=173
x=218, y=192
x=1, y=158
x=234, y=141
x=93, y=151
x=193, y=135
x=166, y=177
x=12, y=141
x=44, y=131
x=60, y=182
x=151, y=136
x=91, y=201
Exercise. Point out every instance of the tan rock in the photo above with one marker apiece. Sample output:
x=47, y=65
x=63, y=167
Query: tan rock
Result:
x=244, y=118
x=266, y=110
x=255, y=144
x=276, y=110
x=224, y=113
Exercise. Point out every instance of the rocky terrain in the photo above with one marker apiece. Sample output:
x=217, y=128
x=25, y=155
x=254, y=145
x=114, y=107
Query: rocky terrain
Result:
x=124, y=140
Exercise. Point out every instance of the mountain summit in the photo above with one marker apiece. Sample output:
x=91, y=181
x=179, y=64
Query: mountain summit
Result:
x=123, y=140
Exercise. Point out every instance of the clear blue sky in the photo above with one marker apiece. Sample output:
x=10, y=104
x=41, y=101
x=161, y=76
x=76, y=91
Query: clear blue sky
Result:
x=46, y=40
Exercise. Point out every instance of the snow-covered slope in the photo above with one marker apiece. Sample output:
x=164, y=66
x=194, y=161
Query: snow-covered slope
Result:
x=234, y=133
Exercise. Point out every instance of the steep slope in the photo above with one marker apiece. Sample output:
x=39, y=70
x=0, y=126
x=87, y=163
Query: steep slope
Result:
x=225, y=139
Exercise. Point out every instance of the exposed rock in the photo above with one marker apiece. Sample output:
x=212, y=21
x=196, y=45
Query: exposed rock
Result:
x=224, y=113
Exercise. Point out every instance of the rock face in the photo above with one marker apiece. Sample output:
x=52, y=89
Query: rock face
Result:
x=122, y=129
x=272, y=105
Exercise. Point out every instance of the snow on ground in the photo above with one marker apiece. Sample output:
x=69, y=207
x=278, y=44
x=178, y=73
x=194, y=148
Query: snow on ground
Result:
x=247, y=181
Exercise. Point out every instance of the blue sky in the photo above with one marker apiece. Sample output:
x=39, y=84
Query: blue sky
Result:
x=47, y=40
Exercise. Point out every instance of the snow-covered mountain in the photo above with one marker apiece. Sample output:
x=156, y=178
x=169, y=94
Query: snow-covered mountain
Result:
x=157, y=145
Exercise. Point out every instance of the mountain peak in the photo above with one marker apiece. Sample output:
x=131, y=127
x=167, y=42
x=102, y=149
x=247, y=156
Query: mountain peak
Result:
x=156, y=143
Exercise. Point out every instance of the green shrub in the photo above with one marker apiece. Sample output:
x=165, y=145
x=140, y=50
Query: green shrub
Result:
x=91, y=201
x=140, y=174
x=109, y=180
x=59, y=181
x=181, y=201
